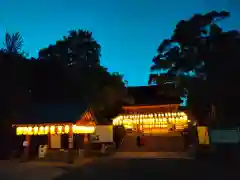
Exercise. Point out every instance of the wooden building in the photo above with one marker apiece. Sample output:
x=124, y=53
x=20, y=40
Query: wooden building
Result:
x=59, y=126
x=152, y=111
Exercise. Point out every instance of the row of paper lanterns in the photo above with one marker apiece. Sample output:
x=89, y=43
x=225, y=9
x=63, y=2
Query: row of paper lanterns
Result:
x=44, y=130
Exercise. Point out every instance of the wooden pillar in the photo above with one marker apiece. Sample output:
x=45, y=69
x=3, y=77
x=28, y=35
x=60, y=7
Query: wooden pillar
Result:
x=26, y=146
x=49, y=141
x=70, y=146
x=138, y=122
x=86, y=145
x=86, y=141
x=70, y=138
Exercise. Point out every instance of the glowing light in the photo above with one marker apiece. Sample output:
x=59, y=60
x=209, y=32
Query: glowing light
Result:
x=30, y=131
x=46, y=130
x=66, y=129
x=25, y=130
x=43, y=130
x=35, y=130
x=150, y=120
x=19, y=130
x=52, y=130
x=59, y=130
x=83, y=129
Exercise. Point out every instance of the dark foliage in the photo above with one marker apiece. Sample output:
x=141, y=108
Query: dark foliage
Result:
x=201, y=47
x=67, y=72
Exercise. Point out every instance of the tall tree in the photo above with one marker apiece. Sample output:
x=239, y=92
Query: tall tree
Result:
x=14, y=74
x=201, y=47
x=78, y=49
x=76, y=54
x=77, y=57
x=14, y=95
x=13, y=43
x=110, y=95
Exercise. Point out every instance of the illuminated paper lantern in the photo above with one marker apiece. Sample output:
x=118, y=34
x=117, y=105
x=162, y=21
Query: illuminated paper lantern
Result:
x=52, y=130
x=59, y=130
x=46, y=129
x=66, y=129
x=35, y=130
x=19, y=131
x=30, y=131
x=41, y=130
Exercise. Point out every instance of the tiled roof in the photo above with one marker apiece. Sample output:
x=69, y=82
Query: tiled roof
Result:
x=53, y=113
x=150, y=95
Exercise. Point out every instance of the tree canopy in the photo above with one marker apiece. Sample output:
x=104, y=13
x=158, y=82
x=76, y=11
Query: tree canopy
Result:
x=67, y=71
x=201, y=60
x=78, y=57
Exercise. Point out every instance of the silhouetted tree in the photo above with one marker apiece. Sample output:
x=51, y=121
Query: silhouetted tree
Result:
x=200, y=47
x=77, y=58
x=68, y=71
x=13, y=43
x=14, y=96
x=14, y=75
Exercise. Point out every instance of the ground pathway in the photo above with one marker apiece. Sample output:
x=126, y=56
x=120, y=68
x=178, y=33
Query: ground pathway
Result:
x=161, y=158
x=164, y=142
x=150, y=168
x=37, y=170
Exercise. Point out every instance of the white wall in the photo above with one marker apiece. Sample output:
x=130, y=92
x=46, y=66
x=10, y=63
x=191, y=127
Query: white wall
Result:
x=104, y=132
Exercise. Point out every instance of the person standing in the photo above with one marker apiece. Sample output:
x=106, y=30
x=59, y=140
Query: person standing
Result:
x=184, y=134
x=138, y=141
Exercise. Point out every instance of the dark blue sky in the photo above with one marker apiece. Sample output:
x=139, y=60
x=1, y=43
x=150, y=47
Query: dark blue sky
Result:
x=129, y=31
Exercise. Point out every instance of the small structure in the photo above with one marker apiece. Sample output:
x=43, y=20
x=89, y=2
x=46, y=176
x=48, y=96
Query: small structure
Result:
x=56, y=125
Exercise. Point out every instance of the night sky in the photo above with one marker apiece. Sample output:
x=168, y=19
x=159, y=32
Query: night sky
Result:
x=129, y=31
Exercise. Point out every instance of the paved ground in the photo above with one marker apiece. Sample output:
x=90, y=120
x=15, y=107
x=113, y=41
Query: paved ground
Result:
x=36, y=170
x=155, y=155
x=126, y=169
x=161, y=158
x=127, y=164
x=168, y=142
